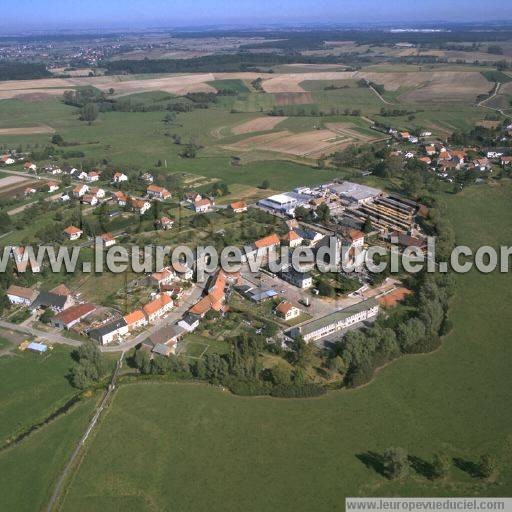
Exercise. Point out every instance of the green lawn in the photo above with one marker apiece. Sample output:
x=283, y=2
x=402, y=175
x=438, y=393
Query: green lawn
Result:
x=193, y=447
x=33, y=386
x=29, y=471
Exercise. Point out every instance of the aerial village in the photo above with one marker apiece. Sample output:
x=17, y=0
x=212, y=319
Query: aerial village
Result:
x=172, y=305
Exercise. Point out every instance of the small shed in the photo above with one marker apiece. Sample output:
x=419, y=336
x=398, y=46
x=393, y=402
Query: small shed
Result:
x=40, y=348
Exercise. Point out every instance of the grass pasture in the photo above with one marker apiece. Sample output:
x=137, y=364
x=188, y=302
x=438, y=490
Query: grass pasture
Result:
x=261, y=454
x=32, y=387
x=30, y=470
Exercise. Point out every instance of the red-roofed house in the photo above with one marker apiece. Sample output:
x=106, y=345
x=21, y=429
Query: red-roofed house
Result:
x=92, y=176
x=287, y=311
x=73, y=233
x=164, y=223
x=158, y=307
x=239, y=206
x=73, y=315
x=156, y=192
x=135, y=319
x=292, y=239
x=202, y=206
x=119, y=177
x=106, y=239
x=29, y=166
x=120, y=198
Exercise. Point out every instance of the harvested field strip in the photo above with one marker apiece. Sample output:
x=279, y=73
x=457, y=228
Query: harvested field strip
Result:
x=27, y=130
x=349, y=130
x=294, y=98
x=260, y=124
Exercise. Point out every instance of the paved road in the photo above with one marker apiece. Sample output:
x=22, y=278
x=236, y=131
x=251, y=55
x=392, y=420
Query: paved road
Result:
x=52, y=337
x=69, y=466
x=186, y=302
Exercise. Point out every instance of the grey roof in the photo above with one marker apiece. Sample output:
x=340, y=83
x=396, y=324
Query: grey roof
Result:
x=337, y=316
x=161, y=349
x=355, y=190
x=166, y=334
x=107, y=328
x=49, y=299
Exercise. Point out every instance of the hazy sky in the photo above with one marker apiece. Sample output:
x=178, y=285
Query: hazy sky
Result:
x=82, y=13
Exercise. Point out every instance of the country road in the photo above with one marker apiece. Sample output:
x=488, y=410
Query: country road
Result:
x=69, y=466
x=493, y=95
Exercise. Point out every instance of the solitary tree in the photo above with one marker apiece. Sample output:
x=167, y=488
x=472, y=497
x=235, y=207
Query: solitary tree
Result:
x=440, y=465
x=89, y=112
x=487, y=466
x=396, y=464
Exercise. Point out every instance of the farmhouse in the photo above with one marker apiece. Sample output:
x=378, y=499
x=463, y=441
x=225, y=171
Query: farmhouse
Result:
x=202, y=205
x=68, y=318
x=292, y=239
x=119, y=177
x=92, y=176
x=164, y=223
x=164, y=340
x=89, y=199
x=97, y=192
x=165, y=276
x=506, y=160
x=189, y=322
x=106, y=239
x=140, y=206
x=109, y=332
x=430, y=150
x=80, y=190
x=156, y=192
x=53, y=301
x=29, y=191
x=182, y=271
x=21, y=295
x=7, y=160
x=334, y=322
x=135, y=319
x=29, y=166
x=73, y=233
x=158, y=307
x=301, y=280
x=120, y=198
x=53, y=186
x=238, y=207
x=287, y=311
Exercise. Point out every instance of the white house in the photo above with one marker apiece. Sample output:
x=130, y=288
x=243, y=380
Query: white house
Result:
x=119, y=177
x=21, y=295
x=287, y=311
x=52, y=186
x=73, y=233
x=158, y=307
x=156, y=192
x=202, y=206
x=80, y=190
x=92, y=176
x=8, y=160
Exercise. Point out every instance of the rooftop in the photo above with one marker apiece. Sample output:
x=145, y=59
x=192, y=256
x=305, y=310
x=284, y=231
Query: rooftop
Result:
x=337, y=316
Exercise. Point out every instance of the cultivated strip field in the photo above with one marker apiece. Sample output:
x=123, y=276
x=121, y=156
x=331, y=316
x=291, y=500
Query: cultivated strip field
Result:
x=27, y=130
x=311, y=143
x=426, y=86
x=293, y=98
x=260, y=124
